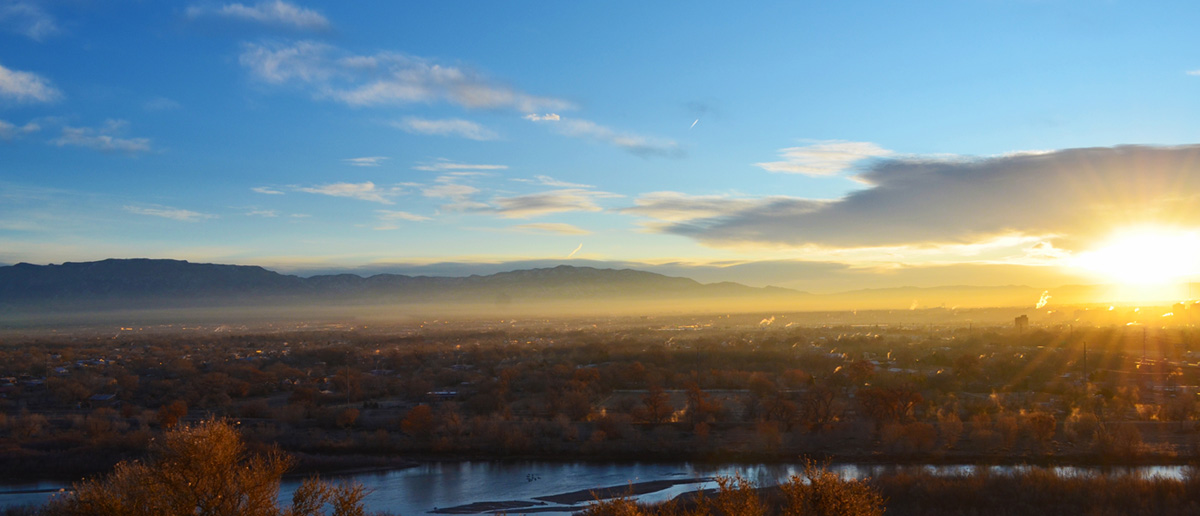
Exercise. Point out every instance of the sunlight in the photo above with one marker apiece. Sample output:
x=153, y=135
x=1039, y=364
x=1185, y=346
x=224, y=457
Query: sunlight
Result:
x=1147, y=259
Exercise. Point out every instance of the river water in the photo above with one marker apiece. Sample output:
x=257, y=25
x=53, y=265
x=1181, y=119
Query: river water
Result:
x=441, y=485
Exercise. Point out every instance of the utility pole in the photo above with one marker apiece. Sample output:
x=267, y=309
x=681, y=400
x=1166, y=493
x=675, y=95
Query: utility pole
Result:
x=1085, y=375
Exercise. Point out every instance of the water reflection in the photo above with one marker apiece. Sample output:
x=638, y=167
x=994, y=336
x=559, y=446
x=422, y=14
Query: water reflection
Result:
x=418, y=490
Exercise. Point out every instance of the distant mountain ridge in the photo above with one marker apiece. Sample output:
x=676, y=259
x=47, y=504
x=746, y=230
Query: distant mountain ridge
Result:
x=159, y=283
x=166, y=284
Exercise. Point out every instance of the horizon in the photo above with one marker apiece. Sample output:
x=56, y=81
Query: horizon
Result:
x=1101, y=294
x=821, y=148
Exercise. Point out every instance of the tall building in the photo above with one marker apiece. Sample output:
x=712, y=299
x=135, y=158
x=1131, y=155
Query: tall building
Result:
x=1021, y=323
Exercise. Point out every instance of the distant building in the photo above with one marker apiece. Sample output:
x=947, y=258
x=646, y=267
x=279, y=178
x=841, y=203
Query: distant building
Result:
x=1022, y=323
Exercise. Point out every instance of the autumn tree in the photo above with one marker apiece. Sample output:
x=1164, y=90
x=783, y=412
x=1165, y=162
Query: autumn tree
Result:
x=656, y=406
x=169, y=414
x=418, y=424
x=820, y=492
x=203, y=469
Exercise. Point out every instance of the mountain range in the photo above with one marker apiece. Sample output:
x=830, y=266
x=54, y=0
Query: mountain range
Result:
x=156, y=283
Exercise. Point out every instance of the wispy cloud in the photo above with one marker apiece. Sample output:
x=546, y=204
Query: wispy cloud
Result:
x=267, y=190
x=577, y=249
x=262, y=213
x=28, y=19
x=385, y=78
x=9, y=130
x=26, y=86
x=678, y=207
x=550, y=181
x=105, y=138
x=447, y=189
x=169, y=213
x=444, y=165
x=643, y=146
x=823, y=158
x=544, y=203
x=447, y=127
x=367, y=161
x=362, y=191
x=548, y=117
x=389, y=219
x=271, y=13
x=161, y=104
x=1193, y=72
x=557, y=228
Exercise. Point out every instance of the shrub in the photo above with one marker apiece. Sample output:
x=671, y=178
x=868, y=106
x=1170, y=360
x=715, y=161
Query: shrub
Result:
x=203, y=469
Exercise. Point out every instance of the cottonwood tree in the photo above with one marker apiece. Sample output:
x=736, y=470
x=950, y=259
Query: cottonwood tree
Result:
x=204, y=469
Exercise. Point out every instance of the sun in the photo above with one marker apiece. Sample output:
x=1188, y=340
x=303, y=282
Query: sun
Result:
x=1145, y=257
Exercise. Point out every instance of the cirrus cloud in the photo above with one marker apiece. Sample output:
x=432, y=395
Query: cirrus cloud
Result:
x=635, y=144
x=446, y=127
x=27, y=18
x=557, y=228
x=544, y=203
x=104, y=138
x=271, y=13
x=366, y=191
x=383, y=79
x=167, y=212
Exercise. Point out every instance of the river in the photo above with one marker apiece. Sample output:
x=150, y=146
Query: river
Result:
x=442, y=485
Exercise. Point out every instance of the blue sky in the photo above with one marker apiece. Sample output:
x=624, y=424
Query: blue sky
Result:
x=886, y=141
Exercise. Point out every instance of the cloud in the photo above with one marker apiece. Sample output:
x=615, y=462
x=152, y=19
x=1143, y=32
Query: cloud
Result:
x=635, y=144
x=161, y=104
x=368, y=161
x=104, y=138
x=28, y=19
x=676, y=206
x=1194, y=72
x=270, y=13
x=548, y=117
x=9, y=130
x=550, y=181
x=1069, y=198
x=445, y=164
x=362, y=191
x=396, y=215
x=169, y=213
x=823, y=158
x=267, y=190
x=382, y=79
x=543, y=203
x=577, y=248
x=262, y=213
x=557, y=228
x=449, y=190
x=26, y=86
x=447, y=127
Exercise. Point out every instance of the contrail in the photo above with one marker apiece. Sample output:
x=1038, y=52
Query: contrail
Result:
x=575, y=251
x=694, y=124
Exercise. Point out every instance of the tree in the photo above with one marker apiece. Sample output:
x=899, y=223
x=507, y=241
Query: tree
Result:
x=820, y=492
x=203, y=469
x=418, y=424
x=656, y=406
x=168, y=415
x=888, y=404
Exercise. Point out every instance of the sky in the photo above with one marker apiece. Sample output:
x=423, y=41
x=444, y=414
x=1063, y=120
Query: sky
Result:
x=822, y=146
